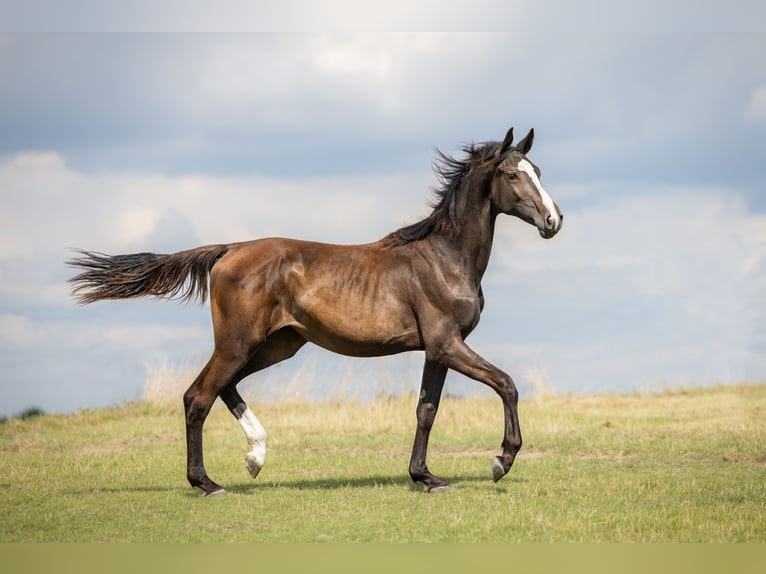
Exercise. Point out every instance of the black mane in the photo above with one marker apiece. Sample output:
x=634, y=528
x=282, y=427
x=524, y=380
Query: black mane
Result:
x=450, y=173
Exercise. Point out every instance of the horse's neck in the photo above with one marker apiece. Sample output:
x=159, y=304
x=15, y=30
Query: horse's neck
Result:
x=471, y=248
x=475, y=242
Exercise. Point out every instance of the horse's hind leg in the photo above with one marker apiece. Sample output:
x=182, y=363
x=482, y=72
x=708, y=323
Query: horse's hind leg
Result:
x=254, y=431
x=198, y=400
x=280, y=346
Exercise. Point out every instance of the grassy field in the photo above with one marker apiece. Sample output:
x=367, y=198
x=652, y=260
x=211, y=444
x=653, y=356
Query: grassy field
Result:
x=677, y=466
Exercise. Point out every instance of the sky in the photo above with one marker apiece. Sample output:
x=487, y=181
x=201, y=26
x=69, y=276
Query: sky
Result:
x=650, y=127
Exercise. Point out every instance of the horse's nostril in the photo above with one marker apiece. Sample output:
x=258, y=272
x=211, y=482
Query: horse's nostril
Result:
x=549, y=220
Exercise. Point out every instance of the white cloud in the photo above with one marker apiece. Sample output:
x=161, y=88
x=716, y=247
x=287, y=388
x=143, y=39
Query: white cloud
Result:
x=756, y=231
x=16, y=330
x=661, y=236
x=305, y=80
x=120, y=210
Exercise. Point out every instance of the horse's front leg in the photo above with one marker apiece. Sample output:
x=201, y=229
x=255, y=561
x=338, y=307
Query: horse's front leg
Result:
x=455, y=354
x=428, y=403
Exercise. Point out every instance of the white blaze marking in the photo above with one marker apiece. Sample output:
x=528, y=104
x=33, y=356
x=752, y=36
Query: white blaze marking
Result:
x=256, y=438
x=527, y=168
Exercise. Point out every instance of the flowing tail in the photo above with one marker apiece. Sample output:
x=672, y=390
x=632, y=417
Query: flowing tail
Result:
x=181, y=275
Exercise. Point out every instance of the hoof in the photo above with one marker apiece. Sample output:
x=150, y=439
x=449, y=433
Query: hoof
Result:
x=207, y=486
x=253, y=465
x=498, y=470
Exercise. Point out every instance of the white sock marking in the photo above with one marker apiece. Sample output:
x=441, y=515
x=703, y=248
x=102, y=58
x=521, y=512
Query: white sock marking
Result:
x=256, y=438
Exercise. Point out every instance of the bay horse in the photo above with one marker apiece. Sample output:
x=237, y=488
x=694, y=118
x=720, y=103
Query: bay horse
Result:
x=418, y=288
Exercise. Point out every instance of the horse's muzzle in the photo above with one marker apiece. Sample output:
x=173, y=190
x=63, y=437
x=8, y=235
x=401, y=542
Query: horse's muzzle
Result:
x=552, y=226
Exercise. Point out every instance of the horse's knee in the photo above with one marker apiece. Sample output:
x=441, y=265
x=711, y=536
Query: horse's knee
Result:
x=507, y=390
x=196, y=409
x=513, y=393
x=191, y=407
x=191, y=398
x=187, y=399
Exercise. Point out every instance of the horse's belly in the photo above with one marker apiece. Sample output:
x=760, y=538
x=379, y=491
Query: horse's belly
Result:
x=357, y=329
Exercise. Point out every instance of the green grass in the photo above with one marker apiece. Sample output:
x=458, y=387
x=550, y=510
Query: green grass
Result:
x=677, y=466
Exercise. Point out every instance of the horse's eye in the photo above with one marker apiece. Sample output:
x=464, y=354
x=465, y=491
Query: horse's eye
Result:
x=511, y=176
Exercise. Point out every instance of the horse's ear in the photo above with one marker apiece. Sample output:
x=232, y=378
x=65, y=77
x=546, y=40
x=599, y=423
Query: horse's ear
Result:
x=526, y=144
x=507, y=142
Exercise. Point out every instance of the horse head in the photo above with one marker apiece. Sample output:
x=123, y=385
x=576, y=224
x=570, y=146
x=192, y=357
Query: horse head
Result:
x=517, y=190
